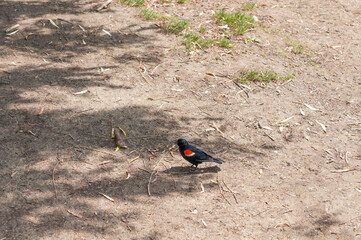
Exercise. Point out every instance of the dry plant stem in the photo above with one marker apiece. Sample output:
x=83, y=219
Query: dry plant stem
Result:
x=74, y=214
x=104, y=5
x=233, y=193
x=140, y=71
x=220, y=190
x=106, y=196
x=53, y=179
x=151, y=175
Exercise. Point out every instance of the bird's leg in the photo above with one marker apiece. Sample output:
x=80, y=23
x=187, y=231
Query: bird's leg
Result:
x=193, y=167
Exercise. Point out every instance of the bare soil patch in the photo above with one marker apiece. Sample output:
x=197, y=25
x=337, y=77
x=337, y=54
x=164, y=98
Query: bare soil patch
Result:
x=69, y=73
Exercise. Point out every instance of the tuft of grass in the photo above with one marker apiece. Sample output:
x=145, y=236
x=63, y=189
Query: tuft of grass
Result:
x=256, y=40
x=312, y=63
x=283, y=54
x=286, y=77
x=192, y=40
x=297, y=47
x=133, y=3
x=260, y=76
x=149, y=14
x=224, y=42
x=248, y=6
x=170, y=24
x=202, y=30
x=181, y=1
x=175, y=25
x=239, y=22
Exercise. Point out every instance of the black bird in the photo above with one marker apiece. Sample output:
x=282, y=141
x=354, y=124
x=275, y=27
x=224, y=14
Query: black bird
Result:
x=194, y=155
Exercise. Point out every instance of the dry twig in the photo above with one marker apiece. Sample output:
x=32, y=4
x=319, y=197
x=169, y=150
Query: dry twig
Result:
x=106, y=196
x=220, y=190
x=151, y=175
x=104, y=5
x=74, y=214
x=233, y=193
x=53, y=178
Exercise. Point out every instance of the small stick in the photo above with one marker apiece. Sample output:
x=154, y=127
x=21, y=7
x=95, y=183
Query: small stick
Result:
x=269, y=136
x=106, y=196
x=134, y=159
x=233, y=193
x=150, y=179
x=151, y=175
x=140, y=71
x=74, y=214
x=151, y=73
x=53, y=178
x=104, y=5
x=342, y=170
x=218, y=130
x=346, y=157
x=104, y=162
x=220, y=190
x=145, y=170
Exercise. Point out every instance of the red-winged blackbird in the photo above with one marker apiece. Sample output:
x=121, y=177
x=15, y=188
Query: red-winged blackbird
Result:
x=194, y=155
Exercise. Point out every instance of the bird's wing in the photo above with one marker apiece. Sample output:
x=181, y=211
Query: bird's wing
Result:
x=200, y=154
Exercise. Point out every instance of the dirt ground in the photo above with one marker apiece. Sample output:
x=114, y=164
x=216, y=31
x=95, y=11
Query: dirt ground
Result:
x=284, y=178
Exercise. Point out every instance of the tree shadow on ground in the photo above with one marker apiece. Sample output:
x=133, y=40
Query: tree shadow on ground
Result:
x=61, y=40
x=49, y=178
x=56, y=165
x=51, y=170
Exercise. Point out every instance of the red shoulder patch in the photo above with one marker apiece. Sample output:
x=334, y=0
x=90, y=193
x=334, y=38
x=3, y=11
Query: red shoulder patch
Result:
x=188, y=153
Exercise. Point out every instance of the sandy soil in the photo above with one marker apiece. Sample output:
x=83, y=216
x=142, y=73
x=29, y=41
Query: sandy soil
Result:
x=281, y=180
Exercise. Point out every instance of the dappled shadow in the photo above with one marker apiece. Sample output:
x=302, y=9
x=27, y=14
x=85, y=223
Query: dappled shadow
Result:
x=317, y=227
x=58, y=165
x=51, y=171
x=64, y=38
x=46, y=179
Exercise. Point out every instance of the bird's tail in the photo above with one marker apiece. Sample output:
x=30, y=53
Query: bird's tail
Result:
x=218, y=160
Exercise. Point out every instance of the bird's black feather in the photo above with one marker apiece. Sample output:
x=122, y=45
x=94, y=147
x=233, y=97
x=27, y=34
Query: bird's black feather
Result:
x=195, y=156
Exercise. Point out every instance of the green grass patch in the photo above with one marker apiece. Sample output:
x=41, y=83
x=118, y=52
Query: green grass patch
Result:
x=170, y=24
x=202, y=30
x=260, y=76
x=239, y=22
x=175, y=25
x=192, y=41
x=224, y=43
x=133, y=3
x=248, y=6
x=297, y=47
x=181, y=1
x=149, y=14
x=286, y=77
